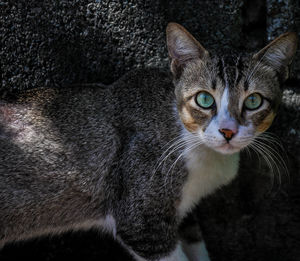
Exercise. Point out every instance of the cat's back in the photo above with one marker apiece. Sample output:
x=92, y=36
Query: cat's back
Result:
x=82, y=130
x=86, y=149
x=63, y=115
x=53, y=139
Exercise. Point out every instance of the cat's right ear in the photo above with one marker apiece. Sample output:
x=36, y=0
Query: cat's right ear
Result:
x=182, y=48
x=279, y=54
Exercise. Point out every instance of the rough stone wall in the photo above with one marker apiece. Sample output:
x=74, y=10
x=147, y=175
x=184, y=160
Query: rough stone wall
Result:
x=284, y=16
x=56, y=43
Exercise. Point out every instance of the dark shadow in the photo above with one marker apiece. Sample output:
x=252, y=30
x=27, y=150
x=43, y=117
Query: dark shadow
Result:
x=254, y=25
x=91, y=245
x=293, y=84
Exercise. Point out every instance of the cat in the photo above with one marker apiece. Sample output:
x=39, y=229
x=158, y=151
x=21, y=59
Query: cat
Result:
x=135, y=157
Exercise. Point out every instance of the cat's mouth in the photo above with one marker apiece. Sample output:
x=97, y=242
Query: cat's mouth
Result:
x=227, y=148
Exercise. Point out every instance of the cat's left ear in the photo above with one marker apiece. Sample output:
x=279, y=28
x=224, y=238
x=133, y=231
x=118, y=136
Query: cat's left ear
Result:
x=182, y=48
x=279, y=54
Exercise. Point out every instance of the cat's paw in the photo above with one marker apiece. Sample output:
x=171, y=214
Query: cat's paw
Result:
x=181, y=255
x=176, y=255
x=196, y=251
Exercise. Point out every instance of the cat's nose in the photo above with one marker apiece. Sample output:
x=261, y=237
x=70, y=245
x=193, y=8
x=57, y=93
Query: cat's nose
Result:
x=227, y=133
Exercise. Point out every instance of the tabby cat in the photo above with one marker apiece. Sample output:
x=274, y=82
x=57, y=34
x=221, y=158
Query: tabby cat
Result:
x=135, y=157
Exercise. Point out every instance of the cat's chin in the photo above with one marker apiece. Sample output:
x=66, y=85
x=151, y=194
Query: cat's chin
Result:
x=227, y=149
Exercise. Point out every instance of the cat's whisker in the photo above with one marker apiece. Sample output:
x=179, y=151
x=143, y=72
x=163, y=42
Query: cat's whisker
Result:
x=278, y=158
x=175, y=142
x=188, y=148
x=168, y=152
x=178, y=144
x=262, y=153
x=276, y=173
x=274, y=140
x=187, y=143
x=262, y=144
x=172, y=141
x=246, y=148
x=262, y=147
x=271, y=159
x=271, y=134
x=166, y=175
x=256, y=152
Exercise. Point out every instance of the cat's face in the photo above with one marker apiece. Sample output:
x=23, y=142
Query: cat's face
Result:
x=227, y=101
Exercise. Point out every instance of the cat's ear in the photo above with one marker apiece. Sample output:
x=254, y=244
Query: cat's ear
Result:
x=279, y=54
x=182, y=47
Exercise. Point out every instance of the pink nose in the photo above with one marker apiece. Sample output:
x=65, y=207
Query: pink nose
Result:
x=227, y=133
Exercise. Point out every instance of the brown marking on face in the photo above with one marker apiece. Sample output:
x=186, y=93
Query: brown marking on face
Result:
x=187, y=119
x=265, y=124
x=193, y=118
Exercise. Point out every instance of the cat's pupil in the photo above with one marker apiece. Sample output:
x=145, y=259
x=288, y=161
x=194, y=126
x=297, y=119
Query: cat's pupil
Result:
x=204, y=100
x=253, y=101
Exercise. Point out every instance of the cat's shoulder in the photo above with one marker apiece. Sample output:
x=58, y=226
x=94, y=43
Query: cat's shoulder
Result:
x=45, y=95
x=149, y=82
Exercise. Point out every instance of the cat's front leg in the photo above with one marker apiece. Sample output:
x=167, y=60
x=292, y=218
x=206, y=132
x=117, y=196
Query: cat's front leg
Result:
x=195, y=251
x=192, y=242
x=149, y=237
x=176, y=255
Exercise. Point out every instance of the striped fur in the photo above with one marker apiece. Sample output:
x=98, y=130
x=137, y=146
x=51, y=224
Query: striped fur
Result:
x=196, y=70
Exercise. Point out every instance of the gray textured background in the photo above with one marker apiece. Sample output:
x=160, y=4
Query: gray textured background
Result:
x=57, y=43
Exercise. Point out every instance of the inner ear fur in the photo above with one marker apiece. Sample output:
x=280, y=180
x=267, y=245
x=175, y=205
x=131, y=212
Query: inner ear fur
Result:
x=279, y=53
x=182, y=47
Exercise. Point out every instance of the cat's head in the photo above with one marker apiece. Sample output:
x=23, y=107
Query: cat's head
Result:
x=227, y=101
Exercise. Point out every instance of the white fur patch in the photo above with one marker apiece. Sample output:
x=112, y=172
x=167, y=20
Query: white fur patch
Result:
x=131, y=252
x=223, y=111
x=108, y=224
x=208, y=170
x=222, y=120
x=176, y=255
x=196, y=251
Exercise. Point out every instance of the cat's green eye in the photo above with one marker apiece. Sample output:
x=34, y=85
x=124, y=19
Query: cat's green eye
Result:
x=253, y=101
x=205, y=100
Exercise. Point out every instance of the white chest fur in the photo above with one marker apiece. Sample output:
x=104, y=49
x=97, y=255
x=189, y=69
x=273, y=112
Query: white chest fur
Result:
x=208, y=170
